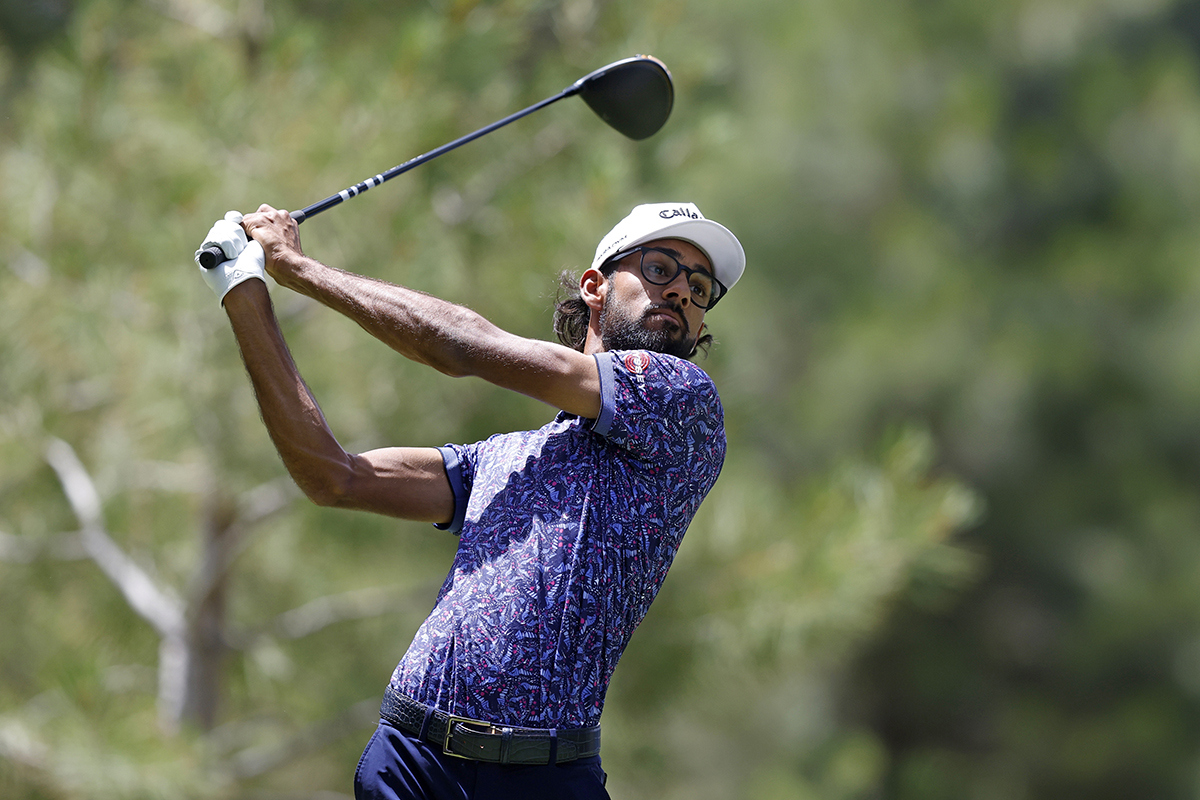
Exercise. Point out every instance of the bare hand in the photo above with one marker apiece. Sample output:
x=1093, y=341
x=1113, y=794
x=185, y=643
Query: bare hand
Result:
x=279, y=236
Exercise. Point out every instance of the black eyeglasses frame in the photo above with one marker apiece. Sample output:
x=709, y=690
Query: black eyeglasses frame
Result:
x=679, y=267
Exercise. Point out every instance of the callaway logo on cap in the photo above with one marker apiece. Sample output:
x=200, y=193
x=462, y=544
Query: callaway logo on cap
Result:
x=677, y=221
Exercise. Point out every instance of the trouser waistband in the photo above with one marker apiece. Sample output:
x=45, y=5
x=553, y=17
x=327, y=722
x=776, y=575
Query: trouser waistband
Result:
x=481, y=740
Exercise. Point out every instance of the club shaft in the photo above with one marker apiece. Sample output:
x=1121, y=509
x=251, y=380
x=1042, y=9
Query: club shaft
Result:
x=212, y=256
x=370, y=183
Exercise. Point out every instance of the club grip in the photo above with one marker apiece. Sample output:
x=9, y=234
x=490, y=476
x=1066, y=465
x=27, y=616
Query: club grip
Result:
x=211, y=256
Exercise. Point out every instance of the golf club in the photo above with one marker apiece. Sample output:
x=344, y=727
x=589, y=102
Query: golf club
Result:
x=633, y=95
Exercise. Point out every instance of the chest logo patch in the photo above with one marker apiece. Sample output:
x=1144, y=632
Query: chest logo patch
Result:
x=637, y=362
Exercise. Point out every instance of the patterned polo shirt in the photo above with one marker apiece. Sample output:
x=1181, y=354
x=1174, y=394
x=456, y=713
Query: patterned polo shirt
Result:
x=566, y=535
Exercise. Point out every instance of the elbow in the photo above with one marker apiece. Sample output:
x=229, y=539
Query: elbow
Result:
x=454, y=363
x=322, y=494
x=328, y=485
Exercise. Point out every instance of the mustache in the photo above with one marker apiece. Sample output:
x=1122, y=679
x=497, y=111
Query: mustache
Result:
x=675, y=307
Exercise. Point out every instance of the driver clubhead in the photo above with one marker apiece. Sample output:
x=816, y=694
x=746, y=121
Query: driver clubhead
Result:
x=634, y=95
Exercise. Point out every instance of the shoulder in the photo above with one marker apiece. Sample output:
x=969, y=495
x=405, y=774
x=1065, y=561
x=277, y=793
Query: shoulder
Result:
x=667, y=377
x=662, y=384
x=658, y=366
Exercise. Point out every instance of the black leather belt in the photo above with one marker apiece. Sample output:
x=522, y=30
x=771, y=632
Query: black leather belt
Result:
x=485, y=741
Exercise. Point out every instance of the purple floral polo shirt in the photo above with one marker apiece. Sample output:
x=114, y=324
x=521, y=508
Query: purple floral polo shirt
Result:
x=566, y=535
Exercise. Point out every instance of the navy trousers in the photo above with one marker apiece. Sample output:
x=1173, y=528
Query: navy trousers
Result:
x=398, y=766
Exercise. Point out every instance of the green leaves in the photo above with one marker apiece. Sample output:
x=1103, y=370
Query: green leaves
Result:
x=968, y=311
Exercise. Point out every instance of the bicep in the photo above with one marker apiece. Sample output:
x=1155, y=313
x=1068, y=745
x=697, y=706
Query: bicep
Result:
x=405, y=482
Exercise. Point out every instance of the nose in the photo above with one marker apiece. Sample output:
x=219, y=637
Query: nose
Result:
x=678, y=289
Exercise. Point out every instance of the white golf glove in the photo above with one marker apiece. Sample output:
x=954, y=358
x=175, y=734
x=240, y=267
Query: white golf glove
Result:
x=227, y=234
x=245, y=261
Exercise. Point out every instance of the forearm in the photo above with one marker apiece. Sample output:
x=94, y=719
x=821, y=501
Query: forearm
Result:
x=453, y=339
x=404, y=482
x=307, y=446
x=448, y=337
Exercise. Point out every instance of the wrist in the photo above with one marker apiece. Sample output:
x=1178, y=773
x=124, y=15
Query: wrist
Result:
x=293, y=270
x=246, y=296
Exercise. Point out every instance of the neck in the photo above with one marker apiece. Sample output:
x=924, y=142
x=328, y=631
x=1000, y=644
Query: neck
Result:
x=593, y=343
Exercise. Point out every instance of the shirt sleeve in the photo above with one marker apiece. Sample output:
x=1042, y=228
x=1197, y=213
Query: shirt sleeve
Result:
x=660, y=408
x=459, y=472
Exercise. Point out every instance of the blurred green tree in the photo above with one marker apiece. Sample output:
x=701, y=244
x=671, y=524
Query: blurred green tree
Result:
x=933, y=291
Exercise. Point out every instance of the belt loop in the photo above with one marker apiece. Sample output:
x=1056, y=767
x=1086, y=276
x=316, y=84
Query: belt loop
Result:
x=425, y=723
x=553, y=746
x=506, y=736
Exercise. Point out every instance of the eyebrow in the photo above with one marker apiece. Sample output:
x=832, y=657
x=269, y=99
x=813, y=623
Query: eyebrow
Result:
x=679, y=257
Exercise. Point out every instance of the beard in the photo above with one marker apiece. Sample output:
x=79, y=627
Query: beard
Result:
x=620, y=331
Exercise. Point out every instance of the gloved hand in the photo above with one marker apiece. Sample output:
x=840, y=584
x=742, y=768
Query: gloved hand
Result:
x=246, y=260
x=227, y=234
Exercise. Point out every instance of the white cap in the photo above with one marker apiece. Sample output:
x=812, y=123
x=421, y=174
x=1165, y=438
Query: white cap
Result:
x=677, y=221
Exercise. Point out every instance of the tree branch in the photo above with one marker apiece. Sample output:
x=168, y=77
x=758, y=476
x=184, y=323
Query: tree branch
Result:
x=162, y=610
x=322, y=612
x=313, y=616
x=253, y=507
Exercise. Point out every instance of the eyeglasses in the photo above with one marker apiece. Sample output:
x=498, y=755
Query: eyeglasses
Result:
x=660, y=267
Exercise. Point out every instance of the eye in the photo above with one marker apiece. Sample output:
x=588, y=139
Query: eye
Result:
x=654, y=265
x=701, y=288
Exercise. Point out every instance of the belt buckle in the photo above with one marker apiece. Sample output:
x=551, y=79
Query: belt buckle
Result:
x=452, y=720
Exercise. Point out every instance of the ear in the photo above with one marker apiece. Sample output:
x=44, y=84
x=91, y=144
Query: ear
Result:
x=593, y=287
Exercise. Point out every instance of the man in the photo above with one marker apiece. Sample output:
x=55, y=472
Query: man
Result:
x=566, y=533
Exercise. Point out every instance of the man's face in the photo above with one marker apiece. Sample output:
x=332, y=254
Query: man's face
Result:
x=640, y=315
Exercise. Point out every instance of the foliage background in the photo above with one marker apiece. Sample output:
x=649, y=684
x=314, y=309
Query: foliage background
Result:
x=952, y=551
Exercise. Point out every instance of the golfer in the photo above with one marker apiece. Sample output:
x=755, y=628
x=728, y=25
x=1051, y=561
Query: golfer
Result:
x=565, y=533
